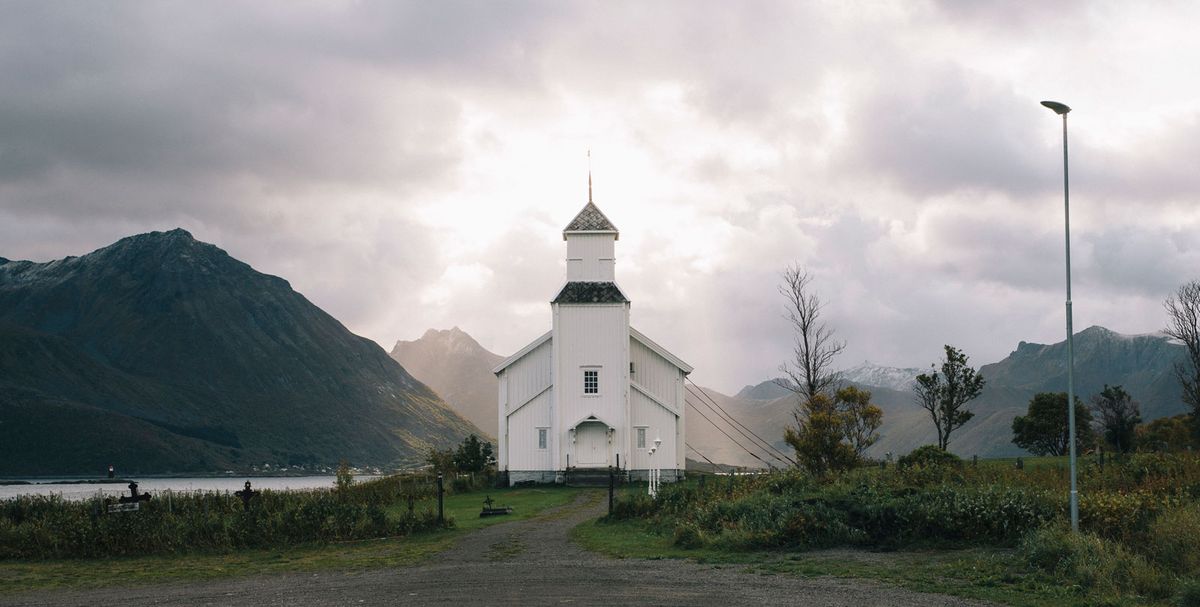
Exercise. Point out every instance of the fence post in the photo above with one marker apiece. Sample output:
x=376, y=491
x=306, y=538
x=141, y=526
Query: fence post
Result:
x=611, y=484
x=441, y=492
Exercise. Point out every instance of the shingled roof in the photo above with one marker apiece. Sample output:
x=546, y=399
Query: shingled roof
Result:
x=590, y=292
x=590, y=219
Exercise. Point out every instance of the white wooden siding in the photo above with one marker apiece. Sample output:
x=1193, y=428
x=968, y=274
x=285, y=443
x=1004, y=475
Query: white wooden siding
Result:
x=523, y=452
x=593, y=337
x=659, y=423
x=590, y=257
x=528, y=376
x=654, y=373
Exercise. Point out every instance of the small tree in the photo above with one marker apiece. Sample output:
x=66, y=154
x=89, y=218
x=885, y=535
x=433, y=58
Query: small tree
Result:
x=818, y=438
x=1044, y=429
x=820, y=427
x=1169, y=434
x=1118, y=417
x=440, y=460
x=860, y=419
x=1183, y=317
x=473, y=455
x=344, y=478
x=945, y=395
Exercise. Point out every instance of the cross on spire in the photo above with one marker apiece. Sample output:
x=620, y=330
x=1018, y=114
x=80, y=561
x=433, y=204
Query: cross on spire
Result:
x=589, y=174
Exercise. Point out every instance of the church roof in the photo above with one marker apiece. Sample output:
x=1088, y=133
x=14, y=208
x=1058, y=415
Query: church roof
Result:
x=590, y=219
x=590, y=292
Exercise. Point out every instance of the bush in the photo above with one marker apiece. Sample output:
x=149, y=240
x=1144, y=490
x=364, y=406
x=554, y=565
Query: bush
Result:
x=929, y=456
x=1189, y=594
x=1174, y=540
x=1098, y=566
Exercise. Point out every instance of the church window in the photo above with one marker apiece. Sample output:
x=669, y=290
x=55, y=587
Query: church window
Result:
x=591, y=381
x=641, y=438
x=542, y=432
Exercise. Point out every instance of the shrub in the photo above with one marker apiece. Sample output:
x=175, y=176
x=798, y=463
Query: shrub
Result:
x=688, y=536
x=1173, y=540
x=1189, y=594
x=927, y=456
x=1099, y=566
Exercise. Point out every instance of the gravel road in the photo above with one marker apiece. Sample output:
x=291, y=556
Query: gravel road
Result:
x=527, y=562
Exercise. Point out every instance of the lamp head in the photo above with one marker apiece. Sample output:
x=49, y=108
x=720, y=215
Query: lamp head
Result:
x=657, y=442
x=1059, y=108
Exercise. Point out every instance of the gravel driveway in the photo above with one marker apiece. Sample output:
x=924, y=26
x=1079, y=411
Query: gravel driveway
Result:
x=527, y=562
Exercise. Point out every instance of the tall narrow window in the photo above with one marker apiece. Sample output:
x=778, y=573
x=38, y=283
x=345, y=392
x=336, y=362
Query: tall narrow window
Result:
x=641, y=438
x=591, y=381
x=542, y=437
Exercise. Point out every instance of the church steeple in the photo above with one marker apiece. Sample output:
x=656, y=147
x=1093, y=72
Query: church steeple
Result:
x=591, y=219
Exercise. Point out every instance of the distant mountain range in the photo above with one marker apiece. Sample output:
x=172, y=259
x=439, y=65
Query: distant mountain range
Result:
x=161, y=353
x=457, y=368
x=1143, y=364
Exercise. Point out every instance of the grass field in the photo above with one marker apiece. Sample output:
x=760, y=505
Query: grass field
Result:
x=463, y=508
x=992, y=575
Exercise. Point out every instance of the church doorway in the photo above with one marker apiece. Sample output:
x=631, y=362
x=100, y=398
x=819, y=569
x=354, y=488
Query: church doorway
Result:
x=591, y=445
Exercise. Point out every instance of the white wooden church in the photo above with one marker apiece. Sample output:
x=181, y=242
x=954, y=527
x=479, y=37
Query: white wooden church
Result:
x=593, y=392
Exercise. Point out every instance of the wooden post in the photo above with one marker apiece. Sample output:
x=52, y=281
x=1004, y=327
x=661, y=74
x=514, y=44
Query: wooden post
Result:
x=611, y=485
x=441, y=492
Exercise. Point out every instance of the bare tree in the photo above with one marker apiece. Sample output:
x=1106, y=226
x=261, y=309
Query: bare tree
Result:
x=1183, y=315
x=810, y=371
x=945, y=394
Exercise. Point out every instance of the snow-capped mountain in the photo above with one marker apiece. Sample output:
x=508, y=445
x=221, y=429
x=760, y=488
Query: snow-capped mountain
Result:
x=894, y=378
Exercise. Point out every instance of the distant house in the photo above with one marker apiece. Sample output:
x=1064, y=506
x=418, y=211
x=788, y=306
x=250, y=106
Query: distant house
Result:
x=593, y=392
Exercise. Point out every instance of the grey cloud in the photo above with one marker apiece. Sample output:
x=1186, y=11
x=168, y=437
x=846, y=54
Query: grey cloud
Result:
x=944, y=130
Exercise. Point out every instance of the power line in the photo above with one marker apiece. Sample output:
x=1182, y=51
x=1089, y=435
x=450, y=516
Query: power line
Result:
x=697, y=452
x=722, y=431
x=740, y=427
x=756, y=445
x=747, y=428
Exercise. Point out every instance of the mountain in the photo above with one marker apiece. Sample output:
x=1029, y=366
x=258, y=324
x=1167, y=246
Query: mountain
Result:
x=1143, y=364
x=161, y=353
x=457, y=368
x=893, y=378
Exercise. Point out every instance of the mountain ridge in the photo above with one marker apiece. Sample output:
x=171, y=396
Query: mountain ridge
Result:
x=187, y=359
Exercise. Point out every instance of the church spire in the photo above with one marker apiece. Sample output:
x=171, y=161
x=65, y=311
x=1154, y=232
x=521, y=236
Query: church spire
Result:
x=589, y=175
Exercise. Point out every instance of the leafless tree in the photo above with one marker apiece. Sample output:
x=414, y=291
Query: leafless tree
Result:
x=810, y=372
x=1183, y=315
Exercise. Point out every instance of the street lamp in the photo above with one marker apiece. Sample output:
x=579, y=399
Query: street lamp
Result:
x=1062, y=109
x=650, y=474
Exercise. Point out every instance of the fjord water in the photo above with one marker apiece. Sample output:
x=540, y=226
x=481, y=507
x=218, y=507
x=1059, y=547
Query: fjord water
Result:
x=84, y=490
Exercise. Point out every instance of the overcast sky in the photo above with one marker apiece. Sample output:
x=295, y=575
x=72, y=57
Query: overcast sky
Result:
x=408, y=166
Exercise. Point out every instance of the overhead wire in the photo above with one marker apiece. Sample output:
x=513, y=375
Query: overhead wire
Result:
x=722, y=431
x=741, y=428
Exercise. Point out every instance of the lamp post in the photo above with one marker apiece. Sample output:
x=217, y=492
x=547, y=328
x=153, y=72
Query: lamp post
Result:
x=657, y=466
x=1062, y=109
x=650, y=474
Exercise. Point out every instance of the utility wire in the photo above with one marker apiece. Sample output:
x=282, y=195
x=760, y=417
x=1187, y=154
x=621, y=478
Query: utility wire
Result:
x=770, y=446
x=740, y=427
x=698, y=410
x=706, y=396
x=722, y=430
x=694, y=450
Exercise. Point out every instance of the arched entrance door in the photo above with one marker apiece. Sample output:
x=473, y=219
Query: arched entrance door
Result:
x=591, y=445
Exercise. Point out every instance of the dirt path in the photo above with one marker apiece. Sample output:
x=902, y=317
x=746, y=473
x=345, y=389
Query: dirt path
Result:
x=527, y=562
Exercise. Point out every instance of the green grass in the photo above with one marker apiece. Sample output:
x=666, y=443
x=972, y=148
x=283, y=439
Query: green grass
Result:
x=987, y=574
x=346, y=556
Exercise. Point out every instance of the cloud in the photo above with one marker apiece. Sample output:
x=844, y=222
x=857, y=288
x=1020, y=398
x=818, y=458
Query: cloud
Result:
x=409, y=165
